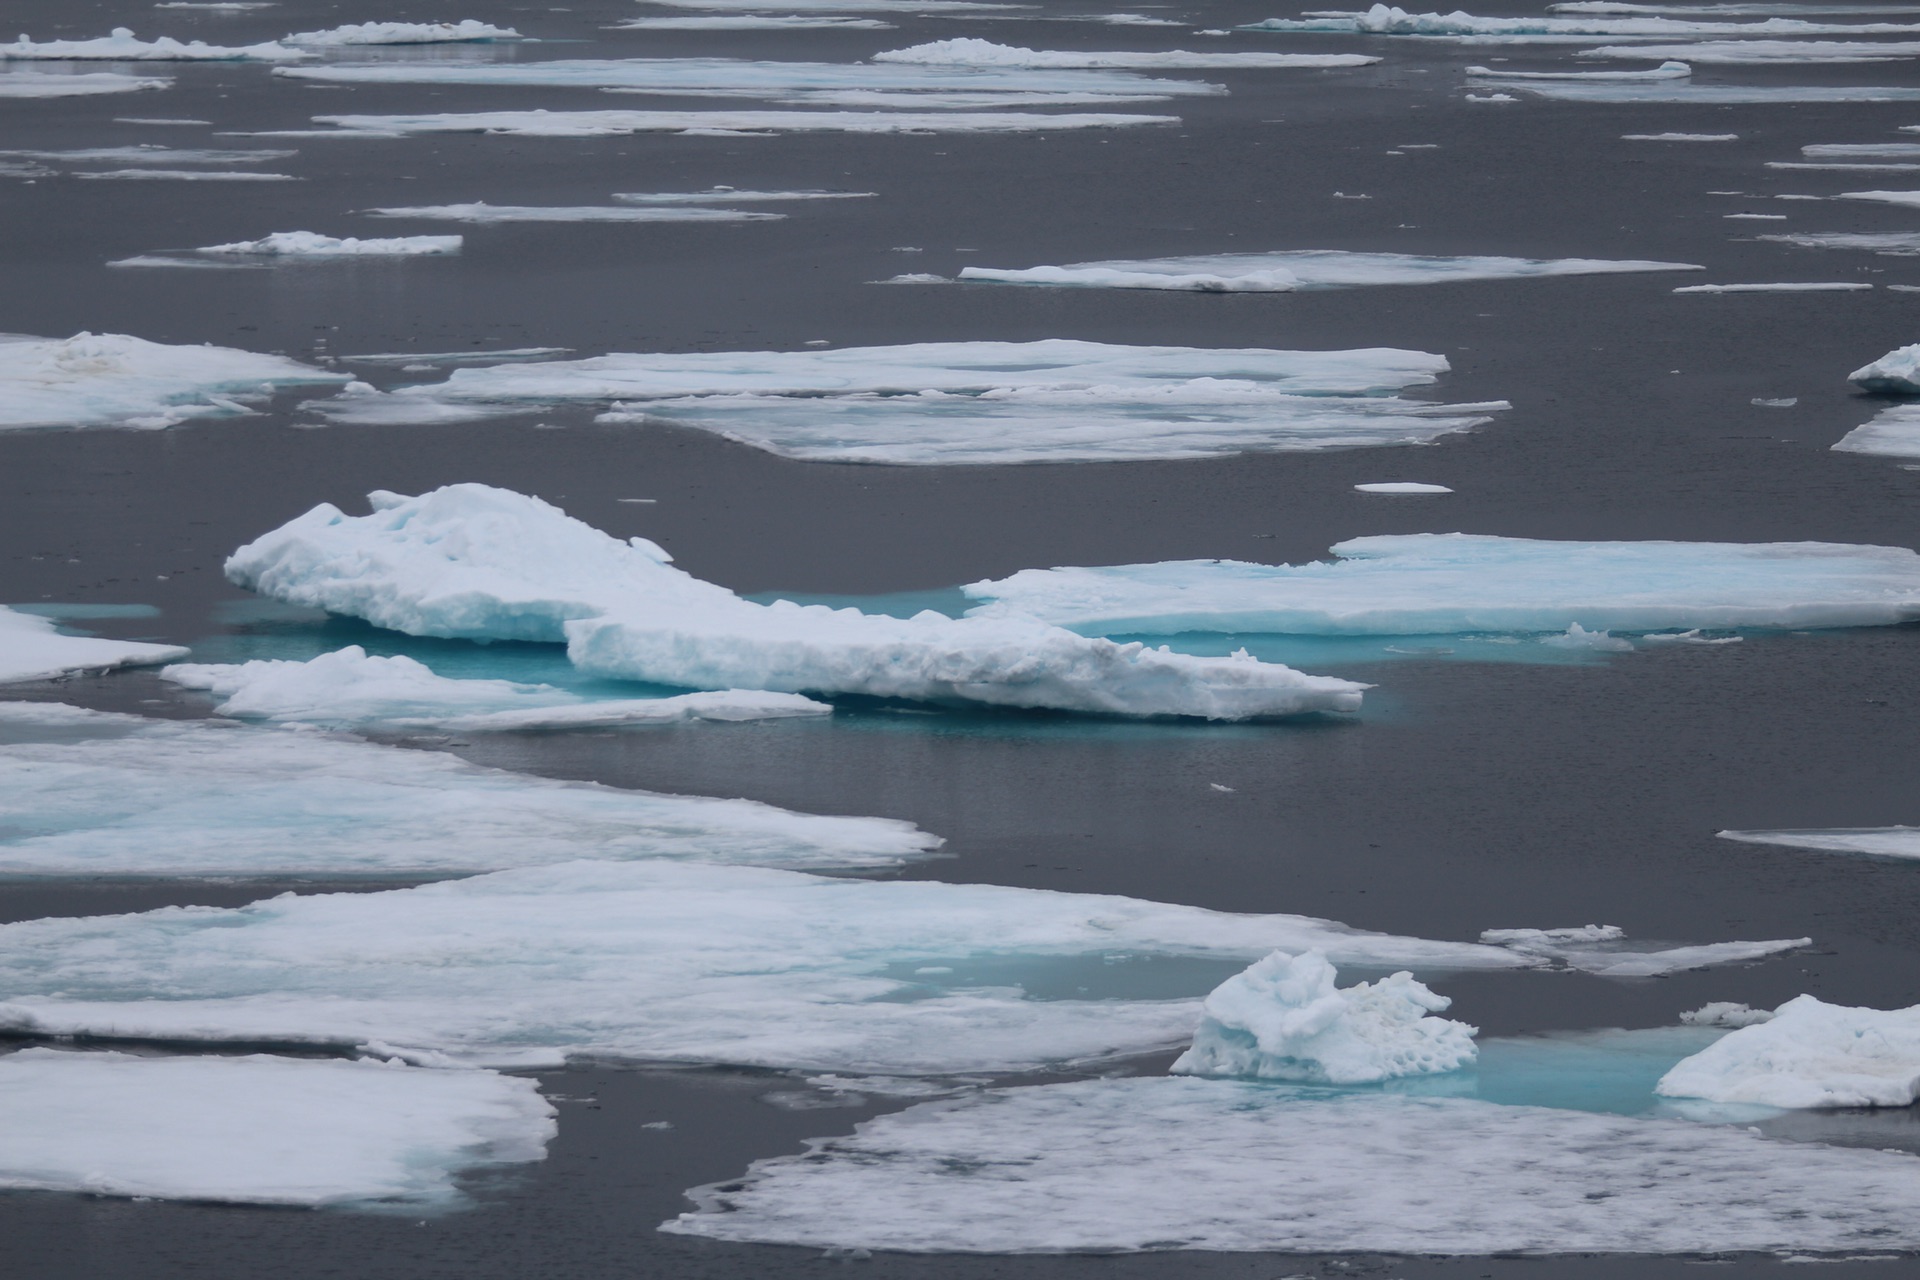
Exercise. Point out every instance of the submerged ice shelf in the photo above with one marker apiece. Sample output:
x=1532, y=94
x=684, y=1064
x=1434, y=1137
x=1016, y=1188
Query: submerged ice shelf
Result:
x=32, y=648
x=1287, y=270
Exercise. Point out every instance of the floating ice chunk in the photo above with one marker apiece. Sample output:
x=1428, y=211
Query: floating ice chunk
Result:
x=1283, y=1019
x=1680, y=137
x=111, y=379
x=1161, y=1164
x=1809, y=1054
x=31, y=649
x=1720, y=94
x=1283, y=271
x=1491, y=97
x=600, y=124
x=749, y=22
x=1783, y=286
x=1725, y=1013
x=972, y=52
x=841, y=6
x=307, y=244
x=1861, y=150
x=480, y=212
x=1602, y=949
x=1897, y=372
x=1757, y=217
x=46, y=84
x=1693, y=635
x=94, y=794
x=1893, y=433
x=1910, y=199
x=653, y=960
x=482, y=563
x=500, y=356
x=1764, y=52
x=123, y=46
x=1386, y=20
x=1757, y=9
x=183, y=263
x=347, y=688
x=1437, y=583
x=1401, y=487
x=1883, y=842
x=728, y=195
x=358, y=33
x=1829, y=167
x=1665, y=71
x=1578, y=637
x=186, y=175
x=258, y=1129
x=153, y=153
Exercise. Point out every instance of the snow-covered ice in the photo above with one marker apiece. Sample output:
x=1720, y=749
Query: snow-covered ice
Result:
x=1604, y=949
x=841, y=6
x=598, y=124
x=729, y=195
x=1434, y=583
x=307, y=244
x=473, y=562
x=95, y=794
x=1665, y=71
x=123, y=46
x=483, y=213
x=1283, y=1019
x=1387, y=20
x=1862, y=150
x=111, y=379
x=47, y=84
x=973, y=52
x=364, y=33
x=1782, y=286
x=1764, y=52
x=1283, y=271
x=1402, y=487
x=1171, y=1163
x=1809, y=1054
x=1883, y=842
x=32, y=649
x=1893, y=433
x=259, y=1129
x=1909, y=199
x=1897, y=372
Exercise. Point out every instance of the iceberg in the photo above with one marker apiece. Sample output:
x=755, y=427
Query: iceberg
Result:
x=1764, y=52
x=1895, y=373
x=1438, y=583
x=1283, y=271
x=307, y=244
x=1126, y=1165
x=473, y=562
x=1665, y=71
x=1809, y=1054
x=259, y=1129
x=31, y=648
x=481, y=212
x=1388, y=20
x=123, y=46
x=362, y=33
x=46, y=84
x=973, y=52
x=1881, y=842
x=111, y=379
x=349, y=688
x=602, y=124
x=96, y=794
x=1283, y=1019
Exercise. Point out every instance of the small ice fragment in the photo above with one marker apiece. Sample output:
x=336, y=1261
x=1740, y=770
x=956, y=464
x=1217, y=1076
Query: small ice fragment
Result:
x=1781, y=402
x=1725, y=1013
x=1401, y=486
x=658, y=1124
x=481, y=212
x=972, y=52
x=1680, y=137
x=1491, y=97
x=1602, y=949
x=1757, y=217
x=1693, y=636
x=1219, y=786
x=306, y=244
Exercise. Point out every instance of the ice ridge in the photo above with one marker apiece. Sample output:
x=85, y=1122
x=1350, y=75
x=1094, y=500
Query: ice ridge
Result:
x=1809, y=1054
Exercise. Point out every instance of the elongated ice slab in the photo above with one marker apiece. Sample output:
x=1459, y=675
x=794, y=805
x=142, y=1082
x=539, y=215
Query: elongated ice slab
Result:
x=1283, y=1019
x=1910, y=199
x=480, y=212
x=1665, y=71
x=1893, y=433
x=656, y=961
x=973, y=52
x=598, y=124
x=123, y=46
x=187, y=175
x=1809, y=1054
x=1388, y=20
x=1286, y=270
x=259, y=1129
x=1160, y=1164
x=1764, y=52
x=1435, y=583
x=31, y=649
x=729, y=195
x=1718, y=94
x=1884, y=842
x=110, y=379
x=1897, y=372
x=1756, y=9
x=45, y=84
x=154, y=153
x=469, y=561
x=841, y=6
x=1862, y=150
x=307, y=244
x=363, y=33
x=1680, y=137
x=1400, y=487
x=1603, y=949
x=749, y=22
x=88, y=793
x=1781, y=286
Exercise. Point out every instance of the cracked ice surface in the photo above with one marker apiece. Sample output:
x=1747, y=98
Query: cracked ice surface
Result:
x=1885, y=842
x=91, y=793
x=1809, y=1054
x=258, y=1129
x=473, y=562
x=1286, y=270
x=1433, y=583
x=1241, y=1166
x=31, y=649
x=599, y=124
x=972, y=52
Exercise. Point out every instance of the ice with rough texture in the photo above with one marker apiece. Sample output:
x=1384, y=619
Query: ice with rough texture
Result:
x=1897, y=372
x=1283, y=1019
x=1388, y=20
x=1435, y=583
x=111, y=379
x=481, y=212
x=307, y=244
x=1764, y=52
x=972, y=52
x=1603, y=949
x=123, y=46
x=1809, y=1054
x=1286, y=270
x=259, y=1129
x=1169, y=1163
x=349, y=687
x=1725, y=1013
x=473, y=562
x=602, y=124
x=153, y=153
x=1882, y=842
x=46, y=84
x=1784, y=286
x=32, y=649
x=94, y=794
x=1665, y=71
x=363, y=33
x=655, y=960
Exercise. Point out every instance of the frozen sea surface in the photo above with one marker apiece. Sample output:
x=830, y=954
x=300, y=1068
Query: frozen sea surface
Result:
x=1809, y=1054
x=1283, y=271
x=31, y=648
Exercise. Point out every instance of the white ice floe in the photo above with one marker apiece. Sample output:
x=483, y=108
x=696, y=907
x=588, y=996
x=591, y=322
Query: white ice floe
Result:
x=469, y=561
x=1431, y=583
x=971, y=402
x=110, y=379
x=307, y=244
x=154, y=153
x=1899, y=244
x=1883, y=842
x=1491, y=97
x=1897, y=372
x=1725, y=1013
x=1764, y=52
x=1161, y=1164
x=653, y=960
x=1809, y=1054
x=598, y=124
x=840, y=6
x=1283, y=271
x=1834, y=167
x=186, y=175
x=973, y=52
x=1578, y=637
x=1283, y=1019
x=1720, y=94
x=1910, y=199
x=749, y=22
x=93, y=794
x=1734, y=9
x=363, y=33
x=259, y=1129
x=1680, y=137
x=349, y=688
x=1862, y=150
x=729, y=195
x=124, y=46
x=1401, y=487
x=46, y=84
x=1386, y=20
x=483, y=213
x=1604, y=949
x=1893, y=433
x=497, y=356
x=1782, y=286
x=1665, y=71
x=32, y=649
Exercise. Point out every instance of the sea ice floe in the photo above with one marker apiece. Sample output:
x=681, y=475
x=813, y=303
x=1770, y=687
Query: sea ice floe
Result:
x=1387, y=20
x=1725, y=1013
x=1437, y=583
x=1809, y=1054
x=1603, y=949
x=1401, y=487
x=473, y=562
x=1283, y=1019
x=363, y=33
x=480, y=212
x=46, y=84
x=1884, y=842
x=840, y=6
x=1260, y=1167
x=154, y=153
x=185, y=175
x=110, y=379
x=1836, y=167
x=90, y=793
x=599, y=124
x=498, y=356
x=1897, y=372
x=1718, y=94
x=1764, y=52
x=348, y=688
x=1283, y=271
x=307, y=244
x=124, y=46
x=729, y=195
x=1910, y=199
x=1665, y=71
x=32, y=649
x=1680, y=137
x=259, y=1129
x=1733, y=9
x=1893, y=433
x=1783, y=286
x=1862, y=150
x=749, y=22
x=655, y=960
x=972, y=52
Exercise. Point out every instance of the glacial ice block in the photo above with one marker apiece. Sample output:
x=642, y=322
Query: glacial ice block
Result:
x=124, y=46
x=1809, y=1054
x=31, y=648
x=969, y=51
x=473, y=562
x=1892, y=433
x=1283, y=1019
x=1435, y=583
x=95, y=794
x=656, y=961
x=1897, y=372
x=259, y=1129
x=110, y=379
x=1883, y=842
x=1287, y=270
x=1168, y=1163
